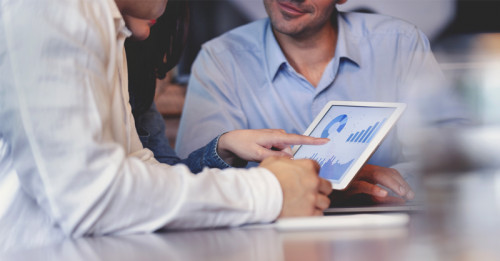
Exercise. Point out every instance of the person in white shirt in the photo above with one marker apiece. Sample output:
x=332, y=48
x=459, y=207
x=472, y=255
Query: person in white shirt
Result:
x=71, y=160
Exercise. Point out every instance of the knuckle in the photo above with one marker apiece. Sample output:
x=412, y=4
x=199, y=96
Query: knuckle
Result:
x=313, y=165
x=258, y=154
x=315, y=181
x=310, y=183
x=328, y=186
x=311, y=199
x=328, y=202
x=355, y=186
x=394, y=171
x=325, y=202
x=303, y=162
x=273, y=158
x=308, y=202
x=276, y=132
x=377, y=175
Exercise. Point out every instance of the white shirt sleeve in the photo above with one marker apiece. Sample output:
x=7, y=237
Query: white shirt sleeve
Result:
x=74, y=144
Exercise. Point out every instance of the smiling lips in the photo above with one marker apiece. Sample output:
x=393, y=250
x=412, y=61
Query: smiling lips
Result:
x=291, y=9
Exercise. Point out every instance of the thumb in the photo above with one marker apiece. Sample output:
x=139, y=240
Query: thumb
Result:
x=266, y=153
x=288, y=150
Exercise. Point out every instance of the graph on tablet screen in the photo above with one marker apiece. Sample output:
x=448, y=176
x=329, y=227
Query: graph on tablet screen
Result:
x=350, y=130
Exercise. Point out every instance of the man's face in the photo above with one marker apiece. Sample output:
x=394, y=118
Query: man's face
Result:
x=298, y=18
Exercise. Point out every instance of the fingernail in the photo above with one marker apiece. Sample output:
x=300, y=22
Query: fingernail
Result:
x=402, y=190
x=381, y=193
x=410, y=195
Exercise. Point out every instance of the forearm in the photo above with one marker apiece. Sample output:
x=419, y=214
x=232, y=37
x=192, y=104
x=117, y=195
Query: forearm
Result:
x=91, y=188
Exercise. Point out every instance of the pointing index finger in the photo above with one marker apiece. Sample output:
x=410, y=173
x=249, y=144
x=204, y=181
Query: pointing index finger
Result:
x=297, y=139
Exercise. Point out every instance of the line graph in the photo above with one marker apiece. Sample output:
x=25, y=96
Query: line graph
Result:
x=331, y=168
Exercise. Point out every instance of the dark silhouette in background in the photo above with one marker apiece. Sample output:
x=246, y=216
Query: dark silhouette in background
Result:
x=208, y=19
x=474, y=16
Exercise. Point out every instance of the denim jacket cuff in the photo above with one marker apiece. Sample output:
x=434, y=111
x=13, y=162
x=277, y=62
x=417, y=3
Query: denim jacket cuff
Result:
x=212, y=158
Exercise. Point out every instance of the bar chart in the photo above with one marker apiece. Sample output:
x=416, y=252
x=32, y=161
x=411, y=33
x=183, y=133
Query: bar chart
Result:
x=366, y=135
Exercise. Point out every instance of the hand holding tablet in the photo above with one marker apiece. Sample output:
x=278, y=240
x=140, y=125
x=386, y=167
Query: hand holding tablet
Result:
x=355, y=130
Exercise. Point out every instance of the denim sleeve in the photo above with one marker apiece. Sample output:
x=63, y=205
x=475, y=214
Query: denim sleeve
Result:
x=151, y=129
x=205, y=157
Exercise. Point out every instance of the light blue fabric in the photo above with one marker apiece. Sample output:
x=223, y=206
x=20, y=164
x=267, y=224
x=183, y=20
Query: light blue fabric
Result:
x=242, y=80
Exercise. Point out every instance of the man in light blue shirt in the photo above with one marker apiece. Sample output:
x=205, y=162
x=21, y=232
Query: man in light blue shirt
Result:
x=279, y=72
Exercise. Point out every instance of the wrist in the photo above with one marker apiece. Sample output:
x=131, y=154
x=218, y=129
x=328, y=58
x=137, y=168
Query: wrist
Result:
x=225, y=153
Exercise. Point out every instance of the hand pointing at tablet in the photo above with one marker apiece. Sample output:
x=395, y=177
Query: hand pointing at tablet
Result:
x=256, y=145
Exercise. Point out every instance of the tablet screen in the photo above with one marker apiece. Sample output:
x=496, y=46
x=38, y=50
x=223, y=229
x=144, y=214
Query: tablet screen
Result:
x=351, y=130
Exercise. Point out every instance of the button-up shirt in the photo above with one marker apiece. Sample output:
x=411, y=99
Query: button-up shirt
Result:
x=71, y=160
x=242, y=80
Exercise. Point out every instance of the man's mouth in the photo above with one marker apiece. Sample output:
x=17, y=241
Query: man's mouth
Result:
x=291, y=9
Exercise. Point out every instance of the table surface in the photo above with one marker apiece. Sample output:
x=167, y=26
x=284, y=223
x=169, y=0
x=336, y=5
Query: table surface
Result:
x=460, y=222
x=411, y=242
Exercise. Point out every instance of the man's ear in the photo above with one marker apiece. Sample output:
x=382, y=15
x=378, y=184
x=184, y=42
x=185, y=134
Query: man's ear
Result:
x=339, y=2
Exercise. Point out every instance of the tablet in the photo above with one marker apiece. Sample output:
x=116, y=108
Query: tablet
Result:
x=355, y=130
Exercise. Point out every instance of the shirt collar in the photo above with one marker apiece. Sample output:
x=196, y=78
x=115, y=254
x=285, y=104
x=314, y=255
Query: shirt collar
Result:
x=347, y=41
x=347, y=47
x=274, y=55
x=118, y=20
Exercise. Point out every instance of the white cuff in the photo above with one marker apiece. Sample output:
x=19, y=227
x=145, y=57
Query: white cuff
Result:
x=267, y=193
